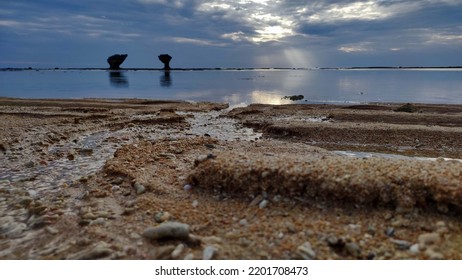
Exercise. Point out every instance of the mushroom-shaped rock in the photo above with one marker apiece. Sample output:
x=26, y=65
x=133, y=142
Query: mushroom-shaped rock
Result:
x=165, y=59
x=116, y=60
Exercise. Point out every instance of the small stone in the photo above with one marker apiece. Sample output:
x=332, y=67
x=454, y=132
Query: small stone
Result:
x=14, y=230
x=98, y=221
x=433, y=255
x=390, y=231
x=187, y=187
x=371, y=230
x=440, y=224
x=195, y=203
x=276, y=198
x=200, y=159
x=161, y=217
x=51, y=230
x=256, y=200
x=212, y=239
x=178, y=250
x=427, y=239
x=174, y=230
x=354, y=229
x=189, y=257
x=89, y=216
x=140, y=189
x=86, y=152
x=100, y=250
x=441, y=227
x=29, y=164
x=334, y=241
x=306, y=252
x=291, y=227
x=401, y=244
x=263, y=204
x=442, y=208
x=414, y=249
x=117, y=181
x=25, y=201
x=243, y=222
x=209, y=252
x=353, y=249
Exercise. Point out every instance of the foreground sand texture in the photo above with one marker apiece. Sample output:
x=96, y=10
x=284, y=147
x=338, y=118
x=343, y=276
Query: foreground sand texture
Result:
x=137, y=179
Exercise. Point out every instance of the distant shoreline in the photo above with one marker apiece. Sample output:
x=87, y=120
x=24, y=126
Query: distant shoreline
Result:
x=235, y=68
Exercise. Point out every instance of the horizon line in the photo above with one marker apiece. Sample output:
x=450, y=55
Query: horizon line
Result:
x=227, y=68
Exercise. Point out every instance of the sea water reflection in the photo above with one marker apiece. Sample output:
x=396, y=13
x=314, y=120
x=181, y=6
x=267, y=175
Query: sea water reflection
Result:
x=117, y=78
x=240, y=86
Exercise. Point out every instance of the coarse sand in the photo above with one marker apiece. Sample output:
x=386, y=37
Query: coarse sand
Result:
x=143, y=179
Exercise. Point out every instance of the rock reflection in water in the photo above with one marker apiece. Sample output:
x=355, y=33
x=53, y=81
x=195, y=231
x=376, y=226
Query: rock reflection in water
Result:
x=166, y=79
x=118, y=79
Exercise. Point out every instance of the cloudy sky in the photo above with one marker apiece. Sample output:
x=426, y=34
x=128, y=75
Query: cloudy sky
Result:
x=225, y=33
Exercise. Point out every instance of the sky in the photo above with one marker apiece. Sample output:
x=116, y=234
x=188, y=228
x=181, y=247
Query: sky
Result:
x=224, y=33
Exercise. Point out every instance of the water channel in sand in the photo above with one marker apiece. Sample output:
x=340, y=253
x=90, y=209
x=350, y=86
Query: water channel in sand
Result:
x=94, y=149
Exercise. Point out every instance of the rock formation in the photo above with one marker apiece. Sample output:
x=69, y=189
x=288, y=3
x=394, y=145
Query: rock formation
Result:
x=116, y=60
x=165, y=58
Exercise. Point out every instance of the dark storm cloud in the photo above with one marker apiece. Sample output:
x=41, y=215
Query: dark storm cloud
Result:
x=232, y=33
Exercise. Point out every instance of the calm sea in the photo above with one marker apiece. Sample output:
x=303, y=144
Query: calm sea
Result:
x=443, y=86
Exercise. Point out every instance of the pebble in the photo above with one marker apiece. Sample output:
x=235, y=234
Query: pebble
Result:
x=86, y=152
x=427, y=239
x=189, y=257
x=200, y=159
x=334, y=241
x=243, y=222
x=195, y=203
x=178, y=250
x=390, y=231
x=433, y=255
x=306, y=252
x=100, y=250
x=291, y=227
x=209, y=252
x=51, y=230
x=14, y=229
x=140, y=189
x=256, y=200
x=187, y=187
x=353, y=249
x=173, y=230
x=118, y=180
x=401, y=244
x=263, y=204
x=161, y=217
x=414, y=249
x=98, y=221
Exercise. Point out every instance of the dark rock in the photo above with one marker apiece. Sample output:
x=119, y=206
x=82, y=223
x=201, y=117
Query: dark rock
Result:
x=116, y=60
x=408, y=108
x=165, y=59
x=294, y=97
x=173, y=230
x=390, y=231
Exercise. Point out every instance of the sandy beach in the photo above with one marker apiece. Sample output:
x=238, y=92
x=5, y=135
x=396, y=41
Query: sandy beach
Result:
x=144, y=179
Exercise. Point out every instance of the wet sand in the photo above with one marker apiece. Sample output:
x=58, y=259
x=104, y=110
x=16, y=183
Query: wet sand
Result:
x=138, y=179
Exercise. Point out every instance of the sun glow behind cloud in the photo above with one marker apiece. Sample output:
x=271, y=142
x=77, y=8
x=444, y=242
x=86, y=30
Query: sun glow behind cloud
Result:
x=254, y=33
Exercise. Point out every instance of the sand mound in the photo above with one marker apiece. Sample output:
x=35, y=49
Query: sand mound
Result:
x=369, y=181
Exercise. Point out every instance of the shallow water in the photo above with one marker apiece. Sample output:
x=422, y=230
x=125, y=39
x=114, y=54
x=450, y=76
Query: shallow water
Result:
x=443, y=86
x=92, y=150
